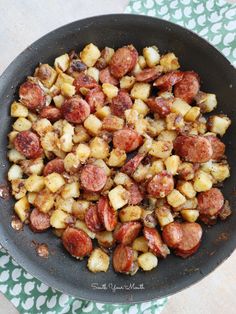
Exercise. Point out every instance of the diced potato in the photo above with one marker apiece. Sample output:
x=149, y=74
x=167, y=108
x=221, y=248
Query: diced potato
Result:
x=64, y=204
x=11, y=136
x=70, y=190
x=156, y=167
x=32, y=117
x=49, y=141
x=140, y=244
x=207, y=166
x=62, y=79
x=161, y=149
x=59, y=100
x=22, y=124
x=109, y=184
x=121, y=178
x=103, y=112
x=18, y=188
x=147, y=261
x=90, y=54
x=34, y=166
x=118, y=197
x=164, y=215
x=169, y=62
x=31, y=196
x=207, y=102
x=142, y=62
x=140, y=126
x=192, y=114
x=151, y=55
x=189, y=204
x=93, y=124
x=84, y=91
x=131, y=116
x=90, y=196
x=98, y=261
x=174, y=121
x=71, y=163
x=82, y=226
x=218, y=124
x=220, y=172
x=190, y=215
x=99, y=148
x=146, y=147
x=141, y=173
x=167, y=135
x=18, y=110
x=46, y=74
x=175, y=198
x=44, y=200
x=105, y=238
x=137, y=69
x=172, y=164
x=110, y=90
x=130, y=213
x=67, y=90
x=202, y=181
x=42, y=126
x=54, y=181
x=15, y=156
x=83, y=152
x=80, y=135
x=112, y=123
x=79, y=209
x=117, y=158
x=127, y=82
x=34, y=183
x=186, y=188
x=94, y=73
x=62, y=63
x=107, y=54
x=155, y=127
x=22, y=208
x=180, y=106
x=141, y=107
x=186, y=171
x=59, y=219
x=141, y=91
x=66, y=143
x=14, y=172
x=101, y=163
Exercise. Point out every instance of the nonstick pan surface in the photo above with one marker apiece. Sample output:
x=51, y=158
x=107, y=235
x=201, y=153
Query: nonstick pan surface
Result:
x=60, y=270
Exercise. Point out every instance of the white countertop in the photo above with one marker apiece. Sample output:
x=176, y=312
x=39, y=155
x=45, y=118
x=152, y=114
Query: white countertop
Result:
x=20, y=26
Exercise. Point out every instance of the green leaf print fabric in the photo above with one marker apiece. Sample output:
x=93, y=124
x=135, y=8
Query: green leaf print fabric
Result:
x=216, y=22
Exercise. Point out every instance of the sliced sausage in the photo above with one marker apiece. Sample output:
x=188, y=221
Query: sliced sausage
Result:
x=192, y=234
x=131, y=165
x=92, y=219
x=106, y=77
x=120, y=103
x=39, y=221
x=95, y=98
x=135, y=195
x=93, y=178
x=148, y=75
x=84, y=80
x=160, y=105
x=127, y=140
x=32, y=96
x=123, y=61
x=107, y=214
x=155, y=242
x=55, y=165
x=75, y=109
x=218, y=147
x=166, y=81
x=77, y=242
x=188, y=87
x=51, y=113
x=127, y=232
x=123, y=258
x=161, y=184
x=172, y=234
x=210, y=202
x=28, y=144
x=193, y=148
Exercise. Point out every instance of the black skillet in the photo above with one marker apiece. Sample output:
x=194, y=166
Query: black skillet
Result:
x=173, y=274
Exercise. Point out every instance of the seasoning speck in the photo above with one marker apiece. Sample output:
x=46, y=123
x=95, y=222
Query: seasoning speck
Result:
x=42, y=250
x=16, y=223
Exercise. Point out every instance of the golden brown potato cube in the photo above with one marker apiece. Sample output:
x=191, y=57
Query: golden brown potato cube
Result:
x=44, y=200
x=54, y=181
x=79, y=209
x=164, y=215
x=14, y=156
x=49, y=141
x=62, y=63
x=80, y=135
x=141, y=91
x=151, y=55
x=172, y=164
x=161, y=149
x=156, y=167
x=202, y=181
x=11, y=136
x=141, y=107
x=98, y=261
x=207, y=102
x=186, y=188
x=110, y=90
x=18, y=110
x=220, y=172
x=192, y=114
x=93, y=124
x=70, y=190
x=131, y=116
x=93, y=72
x=59, y=219
x=22, y=208
x=174, y=121
x=67, y=89
x=118, y=197
x=82, y=226
x=142, y=62
x=105, y=238
x=33, y=166
x=101, y=163
x=127, y=82
x=130, y=213
x=46, y=74
x=169, y=62
x=34, y=183
x=189, y=204
x=103, y=112
x=18, y=188
x=155, y=127
x=167, y=135
x=186, y=171
x=141, y=173
x=63, y=78
x=147, y=261
x=190, y=215
x=83, y=152
x=180, y=106
x=42, y=126
x=218, y=124
x=90, y=54
x=58, y=100
x=175, y=198
x=117, y=158
x=112, y=123
x=31, y=196
x=146, y=147
x=99, y=148
x=22, y=124
x=64, y=204
x=14, y=172
x=71, y=163
x=121, y=179
x=140, y=244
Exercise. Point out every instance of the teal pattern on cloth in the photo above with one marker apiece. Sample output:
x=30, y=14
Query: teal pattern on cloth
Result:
x=216, y=22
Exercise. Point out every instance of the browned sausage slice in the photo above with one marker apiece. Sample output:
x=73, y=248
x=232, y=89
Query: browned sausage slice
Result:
x=131, y=165
x=148, y=75
x=84, y=80
x=188, y=87
x=218, y=147
x=123, y=61
x=92, y=219
x=75, y=109
x=123, y=257
x=120, y=103
x=192, y=234
x=193, y=148
x=55, y=165
x=161, y=184
x=95, y=98
x=107, y=214
x=51, y=113
x=39, y=221
x=93, y=178
x=28, y=144
x=127, y=232
x=160, y=105
x=32, y=96
x=155, y=242
x=77, y=242
x=106, y=77
x=127, y=140
x=172, y=234
x=210, y=202
x=166, y=81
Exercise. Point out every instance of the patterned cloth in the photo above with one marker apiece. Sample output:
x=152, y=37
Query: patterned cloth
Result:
x=213, y=20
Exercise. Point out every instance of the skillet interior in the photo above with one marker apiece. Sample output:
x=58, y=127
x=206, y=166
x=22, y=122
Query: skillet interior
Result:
x=173, y=274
